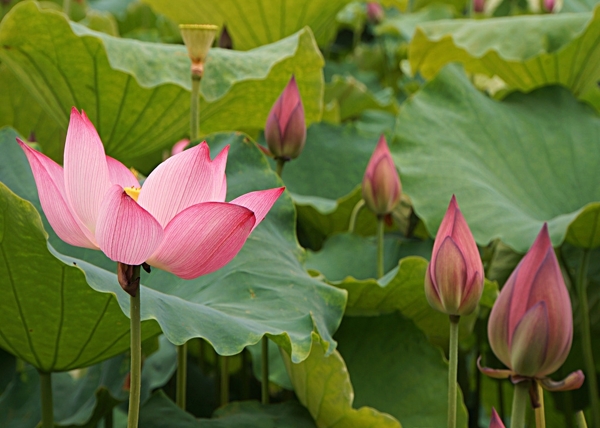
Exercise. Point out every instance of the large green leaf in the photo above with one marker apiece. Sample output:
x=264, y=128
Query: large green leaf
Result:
x=526, y=52
x=19, y=110
x=394, y=369
x=513, y=165
x=323, y=386
x=50, y=317
x=137, y=94
x=570, y=6
x=405, y=25
x=253, y=23
x=160, y=412
x=264, y=290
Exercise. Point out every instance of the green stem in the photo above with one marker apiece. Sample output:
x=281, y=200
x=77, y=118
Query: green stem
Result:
x=453, y=370
x=586, y=338
x=47, y=405
x=224, y=379
x=519, y=406
x=136, y=356
x=67, y=8
x=581, y=423
x=181, y=375
x=359, y=205
x=540, y=416
x=194, y=107
x=264, y=387
x=280, y=165
x=380, y=227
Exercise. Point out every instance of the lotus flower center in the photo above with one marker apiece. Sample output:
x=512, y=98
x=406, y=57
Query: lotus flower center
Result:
x=133, y=192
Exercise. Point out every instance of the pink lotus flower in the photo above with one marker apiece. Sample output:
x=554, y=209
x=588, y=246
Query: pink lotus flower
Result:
x=531, y=324
x=549, y=5
x=285, y=131
x=381, y=188
x=496, y=422
x=454, y=278
x=178, y=221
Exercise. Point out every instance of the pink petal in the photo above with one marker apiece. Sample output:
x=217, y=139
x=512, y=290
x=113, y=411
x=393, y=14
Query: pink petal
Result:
x=203, y=238
x=431, y=291
x=259, y=202
x=572, y=381
x=493, y=373
x=529, y=347
x=450, y=273
x=184, y=180
x=498, y=332
x=86, y=173
x=126, y=232
x=290, y=98
x=496, y=422
x=49, y=180
x=120, y=174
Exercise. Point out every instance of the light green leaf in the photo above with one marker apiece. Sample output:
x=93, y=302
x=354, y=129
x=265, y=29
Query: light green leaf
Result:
x=570, y=6
x=526, y=52
x=160, y=412
x=256, y=22
x=322, y=385
x=264, y=290
x=137, y=94
x=512, y=165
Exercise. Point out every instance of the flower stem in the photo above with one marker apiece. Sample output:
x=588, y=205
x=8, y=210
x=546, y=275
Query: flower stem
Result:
x=352, y=225
x=581, y=423
x=380, y=227
x=586, y=339
x=194, y=107
x=519, y=406
x=280, y=165
x=47, y=405
x=224, y=379
x=453, y=370
x=540, y=416
x=264, y=387
x=136, y=356
x=181, y=375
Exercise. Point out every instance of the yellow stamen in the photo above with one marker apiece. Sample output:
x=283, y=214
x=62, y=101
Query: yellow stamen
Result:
x=133, y=192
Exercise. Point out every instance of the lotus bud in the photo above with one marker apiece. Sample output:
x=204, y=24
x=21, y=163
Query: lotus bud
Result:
x=549, y=5
x=478, y=6
x=454, y=277
x=179, y=146
x=285, y=130
x=531, y=324
x=381, y=188
x=495, y=421
x=198, y=39
x=375, y=12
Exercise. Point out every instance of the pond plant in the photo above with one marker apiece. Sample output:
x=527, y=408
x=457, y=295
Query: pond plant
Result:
x=310, y=273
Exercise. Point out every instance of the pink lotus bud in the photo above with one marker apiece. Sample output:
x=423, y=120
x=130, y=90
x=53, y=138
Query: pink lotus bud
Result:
x=531, y=324
x=454, y=278
x=375, y=12
x=549, y=5
x=496, y=422
x=478, y=6
x=381, y=188
x=225, y=40
x=285, y=130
